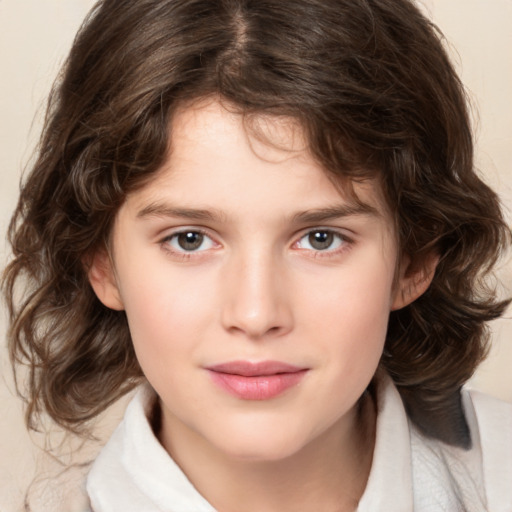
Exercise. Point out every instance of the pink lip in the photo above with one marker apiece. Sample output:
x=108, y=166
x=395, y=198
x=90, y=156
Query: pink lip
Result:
x=256, y=381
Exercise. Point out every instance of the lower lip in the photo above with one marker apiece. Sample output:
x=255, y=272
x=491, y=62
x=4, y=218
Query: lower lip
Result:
x=259, y=387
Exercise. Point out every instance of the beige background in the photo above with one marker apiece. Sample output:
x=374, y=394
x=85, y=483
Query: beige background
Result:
x=34, y=37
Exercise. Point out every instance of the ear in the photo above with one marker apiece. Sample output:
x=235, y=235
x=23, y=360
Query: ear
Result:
x=414, y=279
x=100, y=272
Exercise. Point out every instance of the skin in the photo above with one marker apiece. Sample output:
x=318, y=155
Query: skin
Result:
x=257, y=288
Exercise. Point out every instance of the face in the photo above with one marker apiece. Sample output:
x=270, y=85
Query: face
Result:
x=257, y=293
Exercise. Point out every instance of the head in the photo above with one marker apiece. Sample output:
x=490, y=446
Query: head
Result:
x=371, y=108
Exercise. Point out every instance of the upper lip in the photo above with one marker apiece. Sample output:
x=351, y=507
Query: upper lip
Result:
x=253, y=369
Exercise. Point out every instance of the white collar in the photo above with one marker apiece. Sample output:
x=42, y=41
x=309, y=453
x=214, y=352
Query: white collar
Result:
x=134, y=473
x=389, y=485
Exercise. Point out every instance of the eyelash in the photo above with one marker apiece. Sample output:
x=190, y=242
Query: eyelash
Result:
x=344, y=243
x=183, y=254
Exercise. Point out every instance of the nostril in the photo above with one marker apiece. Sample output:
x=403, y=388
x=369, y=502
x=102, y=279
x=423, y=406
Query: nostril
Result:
x=254, y=302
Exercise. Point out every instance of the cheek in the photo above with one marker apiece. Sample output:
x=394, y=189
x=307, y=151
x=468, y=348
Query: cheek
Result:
x=166, y=310
x=350, y=314
x=356, y=293
x=162, y=335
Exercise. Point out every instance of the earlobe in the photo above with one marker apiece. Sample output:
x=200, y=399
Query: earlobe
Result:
x=102, y=278
x=414, y=279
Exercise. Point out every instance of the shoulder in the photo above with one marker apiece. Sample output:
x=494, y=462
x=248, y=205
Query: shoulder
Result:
x=473, y=479
x=489, y=411
x=413, y=471
x=493, y=429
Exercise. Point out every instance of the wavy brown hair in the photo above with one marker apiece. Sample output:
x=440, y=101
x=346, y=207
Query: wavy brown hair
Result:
x=371, y=85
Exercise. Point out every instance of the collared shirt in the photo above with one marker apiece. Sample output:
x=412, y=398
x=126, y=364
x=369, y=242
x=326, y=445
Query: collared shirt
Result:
x=409, y=472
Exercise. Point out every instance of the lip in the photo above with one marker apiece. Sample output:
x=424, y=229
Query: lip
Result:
x=256, y=381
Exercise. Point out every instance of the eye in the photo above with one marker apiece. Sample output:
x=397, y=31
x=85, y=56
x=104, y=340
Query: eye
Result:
x=189, y=241
x=321, y=240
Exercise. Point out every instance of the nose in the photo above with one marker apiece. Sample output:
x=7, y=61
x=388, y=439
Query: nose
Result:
x=257, y=300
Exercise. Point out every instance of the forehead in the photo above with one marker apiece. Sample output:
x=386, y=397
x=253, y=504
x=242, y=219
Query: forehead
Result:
x=220, y=158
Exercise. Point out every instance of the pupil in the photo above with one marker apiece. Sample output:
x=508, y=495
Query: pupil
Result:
x=190, y=241
x=321, y=239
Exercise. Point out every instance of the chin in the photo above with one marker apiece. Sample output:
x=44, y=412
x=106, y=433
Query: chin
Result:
x=262, y=447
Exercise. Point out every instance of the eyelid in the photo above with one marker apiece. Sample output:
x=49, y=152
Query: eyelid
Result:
x=346, y=241
x=164, y=240
x=171, y=232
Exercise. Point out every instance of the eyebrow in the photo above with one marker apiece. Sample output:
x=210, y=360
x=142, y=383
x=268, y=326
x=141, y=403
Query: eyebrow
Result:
x=331, y=213
x=164, y=210
x=316, y=215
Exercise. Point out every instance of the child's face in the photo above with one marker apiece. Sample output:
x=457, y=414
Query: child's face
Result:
x=241, y=259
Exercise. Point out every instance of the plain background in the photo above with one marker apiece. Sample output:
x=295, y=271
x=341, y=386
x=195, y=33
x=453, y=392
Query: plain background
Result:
x=34, y=38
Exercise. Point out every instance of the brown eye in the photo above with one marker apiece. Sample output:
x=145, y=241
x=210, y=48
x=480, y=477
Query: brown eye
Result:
x=190, y=240
x=321, y=240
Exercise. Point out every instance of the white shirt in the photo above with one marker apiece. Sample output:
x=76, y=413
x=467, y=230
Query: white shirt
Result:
x=134, y=473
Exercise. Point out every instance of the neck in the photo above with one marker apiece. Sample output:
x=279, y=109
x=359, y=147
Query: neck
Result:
x=328, y=474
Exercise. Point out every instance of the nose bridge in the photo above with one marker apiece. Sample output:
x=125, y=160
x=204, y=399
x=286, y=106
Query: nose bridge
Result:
x=257, y=301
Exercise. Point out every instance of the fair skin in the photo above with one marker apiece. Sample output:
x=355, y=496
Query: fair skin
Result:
x=242, y=258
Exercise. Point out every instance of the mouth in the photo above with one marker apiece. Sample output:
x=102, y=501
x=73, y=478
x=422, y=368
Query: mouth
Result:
x=256, y=381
